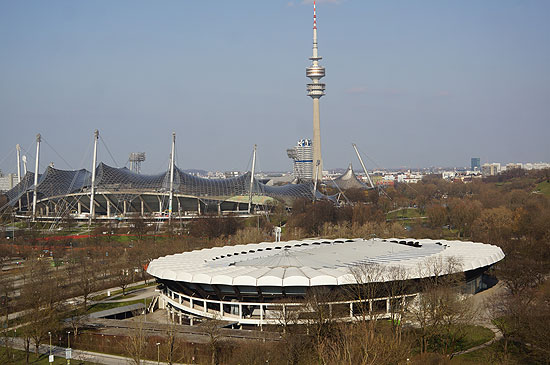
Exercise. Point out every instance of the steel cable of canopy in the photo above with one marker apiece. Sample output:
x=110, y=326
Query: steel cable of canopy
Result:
x=58, y=155
x=107, y=149
x=71, y=204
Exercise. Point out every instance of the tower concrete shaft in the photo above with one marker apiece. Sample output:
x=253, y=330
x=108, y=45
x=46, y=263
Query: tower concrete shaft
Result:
x=315, y=90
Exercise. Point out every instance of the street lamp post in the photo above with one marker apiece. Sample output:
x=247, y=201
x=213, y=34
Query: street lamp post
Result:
x=69, y=344
x=50, y=334
x=158, y=353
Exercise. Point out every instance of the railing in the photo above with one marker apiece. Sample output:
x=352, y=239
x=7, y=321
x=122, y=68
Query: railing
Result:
x=274, y=313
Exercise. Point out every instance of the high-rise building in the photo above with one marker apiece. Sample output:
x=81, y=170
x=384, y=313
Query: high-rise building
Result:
x=7, y=182
x=490, y=169
x=302, y=154
x=315, y=90
x=476, y=164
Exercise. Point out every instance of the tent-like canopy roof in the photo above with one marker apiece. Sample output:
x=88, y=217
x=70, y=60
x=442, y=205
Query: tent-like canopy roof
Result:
x=348, y=180
x=322, y=262
x=56, y=183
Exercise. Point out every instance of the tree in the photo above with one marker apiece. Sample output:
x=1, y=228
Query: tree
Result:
x=212, y=328
x=494, y=225
x=437, y=215
x=462, y=215
x=124, y=274
x=136, y=342
x=40, y=295
x=440, y=310
x=172, y=347
x=320, y=320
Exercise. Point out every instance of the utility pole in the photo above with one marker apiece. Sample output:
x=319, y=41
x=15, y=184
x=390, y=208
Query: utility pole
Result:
x=94, y=162
x=37, y=161
x=363, y=165
x=171, y=177
x=251, y=180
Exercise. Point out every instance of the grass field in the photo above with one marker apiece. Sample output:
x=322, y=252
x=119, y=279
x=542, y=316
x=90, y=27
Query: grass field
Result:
x=403, y=213
x=544, y=188
x=117, y=292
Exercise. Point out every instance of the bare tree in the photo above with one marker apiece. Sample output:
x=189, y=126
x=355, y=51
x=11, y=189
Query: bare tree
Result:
x=136, y=342
x=321, y=321
x=395, y=288
x=441, y=311
x=40, y=295
x=212, y=328
x=124, y=275
x=172, y=347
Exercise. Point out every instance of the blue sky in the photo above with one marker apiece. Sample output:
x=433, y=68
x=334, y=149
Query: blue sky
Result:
x=413, y=83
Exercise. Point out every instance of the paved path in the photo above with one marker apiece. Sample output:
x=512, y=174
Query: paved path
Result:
x=481, y=302
x=78, y=299
x=143, y=293
x=80, y=355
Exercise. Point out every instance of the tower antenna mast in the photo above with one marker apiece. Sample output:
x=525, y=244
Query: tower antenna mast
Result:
x=315, y=90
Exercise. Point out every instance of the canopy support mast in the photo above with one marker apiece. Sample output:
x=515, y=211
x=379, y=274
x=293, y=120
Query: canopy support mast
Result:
x=251, y=180
x=363, y=165
x=37, y=161
x=94, y=163
x=170, y=199
x=18, y=149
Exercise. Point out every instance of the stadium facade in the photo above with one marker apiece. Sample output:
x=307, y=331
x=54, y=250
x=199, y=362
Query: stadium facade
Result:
x=254, y=284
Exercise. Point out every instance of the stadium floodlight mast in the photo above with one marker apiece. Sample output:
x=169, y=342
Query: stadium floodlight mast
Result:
x=37, y=160
x=171, y=196
x=92, y=193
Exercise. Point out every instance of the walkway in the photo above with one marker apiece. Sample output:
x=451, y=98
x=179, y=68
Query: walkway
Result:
x=80, y=355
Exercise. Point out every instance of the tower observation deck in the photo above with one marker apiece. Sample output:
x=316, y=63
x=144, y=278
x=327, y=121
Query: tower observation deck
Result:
x=315, y=90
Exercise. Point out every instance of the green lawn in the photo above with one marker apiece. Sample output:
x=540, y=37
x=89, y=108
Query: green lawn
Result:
x=544, y=188
x=492, y=354
x=12, y=356
x=475, y=336
x=403, y=213
x=119, y=291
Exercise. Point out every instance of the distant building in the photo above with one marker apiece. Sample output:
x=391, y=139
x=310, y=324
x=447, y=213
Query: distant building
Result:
x=490, y=169
x=536, y=166
x=7, y=182
x=302, y=154
x=476, y=164
x=513, y=165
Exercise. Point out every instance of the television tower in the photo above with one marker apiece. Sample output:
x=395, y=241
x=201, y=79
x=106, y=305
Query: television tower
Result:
x=315, y=90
